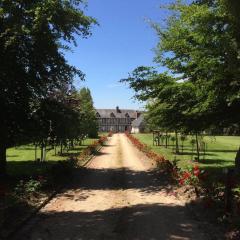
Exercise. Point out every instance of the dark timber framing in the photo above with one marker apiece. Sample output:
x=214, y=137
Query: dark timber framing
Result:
x=116, y=120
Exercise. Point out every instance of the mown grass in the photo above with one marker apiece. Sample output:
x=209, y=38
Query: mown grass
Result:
x=220, y=152
x=21, y=159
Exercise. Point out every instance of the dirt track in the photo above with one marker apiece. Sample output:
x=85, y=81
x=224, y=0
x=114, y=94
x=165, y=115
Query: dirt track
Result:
x=118, y=196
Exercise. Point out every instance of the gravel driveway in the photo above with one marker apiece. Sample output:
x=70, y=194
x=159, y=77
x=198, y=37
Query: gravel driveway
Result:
x=117, y=196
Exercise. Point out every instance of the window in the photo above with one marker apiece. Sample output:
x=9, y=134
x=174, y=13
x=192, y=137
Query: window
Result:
x=127, y=115
x=98, y=115
x=112, y=115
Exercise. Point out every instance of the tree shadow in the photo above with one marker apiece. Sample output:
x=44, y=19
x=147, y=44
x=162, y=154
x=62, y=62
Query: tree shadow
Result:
x=28, y=168
x=78, y=148
x=9, y=156
x=222, y=150
x=24, y=148
x=140, y=222
x=70, y=154
x=216, y=161
x=101, y=153
x=109, y=145
x=120, y=178
x=194, y=153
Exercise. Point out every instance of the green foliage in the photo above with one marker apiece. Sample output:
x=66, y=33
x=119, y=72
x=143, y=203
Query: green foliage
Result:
x=33, y=36
x=88, y=121
x=201, y=45
x=200, y=48
x=28, y=187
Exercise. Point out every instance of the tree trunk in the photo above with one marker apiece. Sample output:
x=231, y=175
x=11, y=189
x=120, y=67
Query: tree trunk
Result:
x=166, y=140
x=72, y=144
x=228, y=190
x=43, y=152
x=35, y=152
x=61, y=149
x=41, y=159
x=177, y=145
x=3, y=161
x=237, y=161
x=197, y=144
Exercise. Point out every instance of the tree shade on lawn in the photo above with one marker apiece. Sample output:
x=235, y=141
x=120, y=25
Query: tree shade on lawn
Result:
x=220, y=153
x=21, y=160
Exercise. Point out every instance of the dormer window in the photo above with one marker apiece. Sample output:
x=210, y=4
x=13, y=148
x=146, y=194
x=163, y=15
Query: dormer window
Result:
x=127, y=115
x=112, y=115
x=98, y=115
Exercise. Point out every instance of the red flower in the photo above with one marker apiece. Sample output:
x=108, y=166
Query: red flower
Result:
x=181, y=181
x=144, y=148
x=186, y=175
x=196, y=171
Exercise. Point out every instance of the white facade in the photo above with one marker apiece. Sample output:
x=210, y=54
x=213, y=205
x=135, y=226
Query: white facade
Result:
x=135, y=130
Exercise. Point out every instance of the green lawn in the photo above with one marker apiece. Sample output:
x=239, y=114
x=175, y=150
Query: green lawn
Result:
x=221, y=151
x=21, y=160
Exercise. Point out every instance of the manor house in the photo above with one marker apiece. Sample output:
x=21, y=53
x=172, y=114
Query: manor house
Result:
x=118, y=120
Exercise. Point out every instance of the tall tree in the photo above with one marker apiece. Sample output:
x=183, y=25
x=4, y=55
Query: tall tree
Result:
x=88, y=113
x=32, y=37
x=200, y=44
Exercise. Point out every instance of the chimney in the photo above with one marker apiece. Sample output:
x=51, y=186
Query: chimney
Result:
x=138, y=114
x=118, y=109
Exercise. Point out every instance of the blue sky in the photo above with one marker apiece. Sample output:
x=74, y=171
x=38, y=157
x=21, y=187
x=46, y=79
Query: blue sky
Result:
x=123, y=41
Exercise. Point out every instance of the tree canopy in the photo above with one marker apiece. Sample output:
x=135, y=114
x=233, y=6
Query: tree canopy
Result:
x=200, y=48
x=33, y=37
x=89, y=120
x=201, y=45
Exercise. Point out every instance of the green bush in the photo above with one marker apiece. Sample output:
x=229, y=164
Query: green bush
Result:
x=28, y=187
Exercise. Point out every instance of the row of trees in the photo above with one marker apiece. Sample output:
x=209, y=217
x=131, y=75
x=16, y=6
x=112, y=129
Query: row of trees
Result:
x=37, y=98
x=200, y=47
x=63, y=120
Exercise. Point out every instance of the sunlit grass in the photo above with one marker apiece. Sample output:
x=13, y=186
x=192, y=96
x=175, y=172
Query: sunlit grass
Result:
x=21, y=159
x=220, y=153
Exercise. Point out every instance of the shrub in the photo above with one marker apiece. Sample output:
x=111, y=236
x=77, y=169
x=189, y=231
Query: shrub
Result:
x=102, y=140
x=92, y=149
x=191, y=176
x=24, y=188
x=110, y=134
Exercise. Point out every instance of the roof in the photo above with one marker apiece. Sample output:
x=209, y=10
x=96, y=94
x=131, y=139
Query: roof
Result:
x=106, y=113
x=138, y=122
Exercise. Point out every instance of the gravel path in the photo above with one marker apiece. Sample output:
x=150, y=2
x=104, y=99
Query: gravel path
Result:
x=117, y=196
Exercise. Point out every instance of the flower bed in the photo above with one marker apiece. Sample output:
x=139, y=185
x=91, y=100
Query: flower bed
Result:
x=196, y=184
x=162, y=163
x=92, y=149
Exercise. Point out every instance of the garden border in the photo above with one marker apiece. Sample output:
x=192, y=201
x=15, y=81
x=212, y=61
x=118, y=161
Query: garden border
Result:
x=207, y=228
